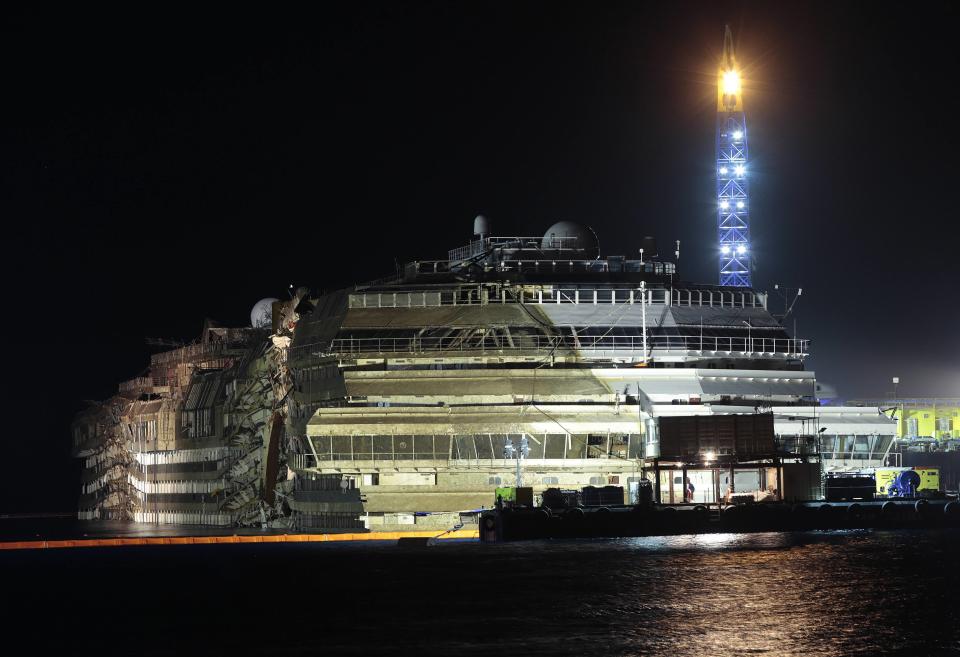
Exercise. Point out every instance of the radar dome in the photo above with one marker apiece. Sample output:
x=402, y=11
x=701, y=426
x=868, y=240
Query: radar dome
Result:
x=481, y=225
x=571, y=235
x=262, y=314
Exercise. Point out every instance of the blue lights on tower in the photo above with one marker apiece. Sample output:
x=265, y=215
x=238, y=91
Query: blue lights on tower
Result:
x=733, y=202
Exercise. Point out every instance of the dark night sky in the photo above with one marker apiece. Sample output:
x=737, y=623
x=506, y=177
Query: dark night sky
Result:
x=159, y=168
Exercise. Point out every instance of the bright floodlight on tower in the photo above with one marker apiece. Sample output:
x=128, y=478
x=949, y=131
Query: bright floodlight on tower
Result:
x=740, y=170
x=741, y=249
x=724, y=205
x=738, y=134
x=724, y=249
x=731, y=82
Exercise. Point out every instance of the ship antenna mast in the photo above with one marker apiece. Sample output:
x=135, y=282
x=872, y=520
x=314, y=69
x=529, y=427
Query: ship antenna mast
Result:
x=785, y=293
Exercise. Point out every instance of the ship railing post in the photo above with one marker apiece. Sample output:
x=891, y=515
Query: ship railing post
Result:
x=776, y=464
x=656, y=480
x=643, y=312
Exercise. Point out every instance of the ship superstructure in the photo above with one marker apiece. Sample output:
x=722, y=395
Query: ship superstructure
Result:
x=400, y=404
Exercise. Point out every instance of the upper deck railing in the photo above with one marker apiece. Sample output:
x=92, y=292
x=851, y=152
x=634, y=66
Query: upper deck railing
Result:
x=592, y=346
x=918, y=402
x=559, y=243
x=533, y=294
x=543, y=266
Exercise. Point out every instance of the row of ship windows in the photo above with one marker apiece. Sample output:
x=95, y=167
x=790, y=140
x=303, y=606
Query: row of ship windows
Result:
x=851, y=444
x=474, y=446
x=547, y=481
x=339, y=483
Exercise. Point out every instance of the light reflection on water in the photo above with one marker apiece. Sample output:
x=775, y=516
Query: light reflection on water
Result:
x=822, y=593
x=817, y=593
x=706, y=541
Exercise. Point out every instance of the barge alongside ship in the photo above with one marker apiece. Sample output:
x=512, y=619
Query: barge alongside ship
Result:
x=514, y=524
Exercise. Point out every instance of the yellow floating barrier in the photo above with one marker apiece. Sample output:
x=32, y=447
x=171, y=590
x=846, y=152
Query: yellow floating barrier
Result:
x=233, y=539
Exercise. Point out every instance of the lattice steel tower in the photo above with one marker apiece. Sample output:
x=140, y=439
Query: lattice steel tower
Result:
x=733, y=203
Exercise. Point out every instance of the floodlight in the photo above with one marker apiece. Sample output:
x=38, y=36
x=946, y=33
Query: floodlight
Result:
x=731, y=83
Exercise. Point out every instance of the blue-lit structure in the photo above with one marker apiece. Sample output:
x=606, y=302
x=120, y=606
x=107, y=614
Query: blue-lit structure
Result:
x=733, y=202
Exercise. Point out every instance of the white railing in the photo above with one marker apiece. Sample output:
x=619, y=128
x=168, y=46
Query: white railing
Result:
x=178, y=518
x=596, y=346
x=187, y=486
x=482, y=295
x=860, y=459
x=475, y=247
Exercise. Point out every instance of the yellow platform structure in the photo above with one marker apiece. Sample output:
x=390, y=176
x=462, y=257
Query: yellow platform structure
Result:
x=937, y=418
x=928, y=418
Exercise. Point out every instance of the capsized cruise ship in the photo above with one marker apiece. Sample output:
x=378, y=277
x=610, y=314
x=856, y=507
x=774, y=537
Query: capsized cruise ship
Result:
x=404, y=403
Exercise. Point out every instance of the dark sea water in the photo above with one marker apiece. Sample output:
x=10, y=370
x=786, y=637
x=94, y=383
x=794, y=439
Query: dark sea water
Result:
x=834, y=593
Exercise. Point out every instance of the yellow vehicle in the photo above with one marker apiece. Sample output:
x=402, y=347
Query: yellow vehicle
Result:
x=929, y=479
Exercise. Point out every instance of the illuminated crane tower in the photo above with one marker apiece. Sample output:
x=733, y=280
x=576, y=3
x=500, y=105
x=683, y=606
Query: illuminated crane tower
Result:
x=733, y=204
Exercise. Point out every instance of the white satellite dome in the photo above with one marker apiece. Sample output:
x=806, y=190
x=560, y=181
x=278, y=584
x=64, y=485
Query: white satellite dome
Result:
x=571, y=235
x=262, y=314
